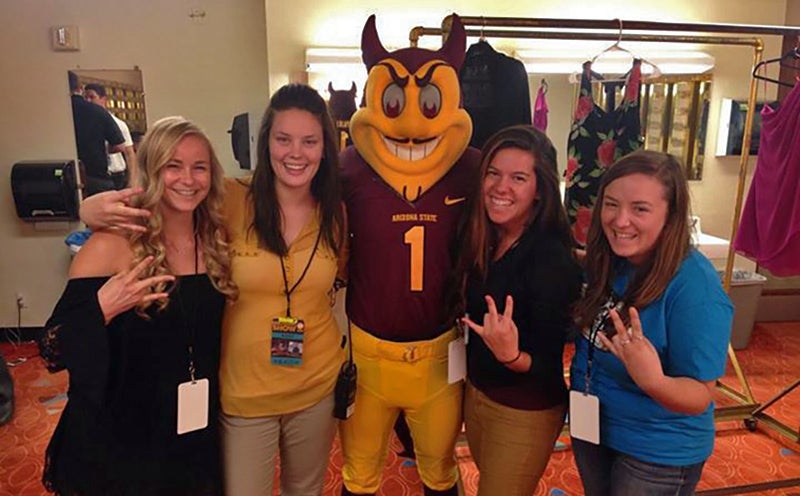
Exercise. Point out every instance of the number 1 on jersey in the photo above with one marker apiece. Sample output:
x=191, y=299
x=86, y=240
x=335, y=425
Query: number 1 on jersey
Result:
x=415, y=238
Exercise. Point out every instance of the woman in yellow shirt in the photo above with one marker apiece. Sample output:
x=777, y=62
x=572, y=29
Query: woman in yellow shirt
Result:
x=281, y=348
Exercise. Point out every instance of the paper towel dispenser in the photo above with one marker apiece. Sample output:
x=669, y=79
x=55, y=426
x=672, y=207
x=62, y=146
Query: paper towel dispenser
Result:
x=45, y=190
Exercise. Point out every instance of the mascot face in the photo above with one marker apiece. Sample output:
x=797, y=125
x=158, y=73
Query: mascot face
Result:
x=412, y=128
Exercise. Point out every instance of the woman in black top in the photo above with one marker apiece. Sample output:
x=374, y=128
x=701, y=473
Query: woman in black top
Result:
x=141, y=351
x=521, y=280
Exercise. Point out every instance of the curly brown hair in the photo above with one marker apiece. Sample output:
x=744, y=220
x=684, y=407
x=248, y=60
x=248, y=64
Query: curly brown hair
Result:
x=155, y=152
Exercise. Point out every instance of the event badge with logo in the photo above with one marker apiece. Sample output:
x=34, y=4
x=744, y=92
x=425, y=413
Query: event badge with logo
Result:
x=287, y=341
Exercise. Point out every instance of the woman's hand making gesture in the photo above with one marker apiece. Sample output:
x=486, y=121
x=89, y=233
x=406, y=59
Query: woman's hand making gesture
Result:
x=500, y=334
x=125, y=290
x=634, y=350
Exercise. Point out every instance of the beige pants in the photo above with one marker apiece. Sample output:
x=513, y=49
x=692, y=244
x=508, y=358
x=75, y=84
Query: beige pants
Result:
x=510, y=447
x=250, y=447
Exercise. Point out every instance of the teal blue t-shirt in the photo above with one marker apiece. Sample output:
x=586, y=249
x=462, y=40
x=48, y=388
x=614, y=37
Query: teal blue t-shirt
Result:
x=689, y=326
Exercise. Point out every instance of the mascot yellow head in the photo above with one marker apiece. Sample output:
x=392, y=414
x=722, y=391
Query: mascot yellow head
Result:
x=412, y=128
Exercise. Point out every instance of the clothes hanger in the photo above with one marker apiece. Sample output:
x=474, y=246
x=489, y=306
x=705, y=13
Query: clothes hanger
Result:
x=544, y=86
x=793, y=54
x=614, y=47
x=617, y=47
x=481, y=36
x=482, y=43
x=575, y=77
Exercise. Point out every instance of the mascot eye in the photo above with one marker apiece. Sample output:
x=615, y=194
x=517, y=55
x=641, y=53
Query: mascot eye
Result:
x=430, y=101
x=393, y=100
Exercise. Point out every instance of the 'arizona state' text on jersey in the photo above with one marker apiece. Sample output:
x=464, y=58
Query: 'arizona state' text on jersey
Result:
x=400, y=258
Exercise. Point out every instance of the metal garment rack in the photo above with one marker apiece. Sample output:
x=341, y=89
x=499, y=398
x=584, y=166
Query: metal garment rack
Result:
x=747, y=408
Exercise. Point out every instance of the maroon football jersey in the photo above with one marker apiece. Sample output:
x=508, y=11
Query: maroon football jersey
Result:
x=400, y=252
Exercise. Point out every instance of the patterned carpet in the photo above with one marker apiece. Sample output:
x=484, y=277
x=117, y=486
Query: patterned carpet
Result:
x=743, y=461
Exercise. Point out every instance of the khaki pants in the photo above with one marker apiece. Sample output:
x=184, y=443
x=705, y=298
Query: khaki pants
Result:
x=250, y=446
x=411, y=377
x=510, y=447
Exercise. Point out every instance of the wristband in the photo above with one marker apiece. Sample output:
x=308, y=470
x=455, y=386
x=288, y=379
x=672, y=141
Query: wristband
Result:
x=509, y=362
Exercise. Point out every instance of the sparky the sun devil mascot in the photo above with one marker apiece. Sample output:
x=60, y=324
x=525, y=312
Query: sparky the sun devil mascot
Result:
x=406, y=179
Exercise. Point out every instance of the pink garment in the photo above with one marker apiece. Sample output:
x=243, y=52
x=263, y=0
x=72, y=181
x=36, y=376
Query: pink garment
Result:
x=769, y=231
x=540, y=110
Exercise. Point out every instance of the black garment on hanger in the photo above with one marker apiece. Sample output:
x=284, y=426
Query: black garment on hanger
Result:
x=495, y=93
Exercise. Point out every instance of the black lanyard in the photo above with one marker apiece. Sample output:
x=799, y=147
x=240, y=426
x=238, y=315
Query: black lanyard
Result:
x=286, y=280
x=590, y=357
x=599, y=323
x=190, y=320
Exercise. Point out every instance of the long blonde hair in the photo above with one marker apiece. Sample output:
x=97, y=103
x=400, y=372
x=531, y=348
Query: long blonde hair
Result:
x=154, y=153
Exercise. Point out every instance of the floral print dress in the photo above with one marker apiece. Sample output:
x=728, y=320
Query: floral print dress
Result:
x=597, y=139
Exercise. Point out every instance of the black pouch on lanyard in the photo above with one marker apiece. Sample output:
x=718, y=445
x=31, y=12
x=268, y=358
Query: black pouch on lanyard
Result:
x=344, y=394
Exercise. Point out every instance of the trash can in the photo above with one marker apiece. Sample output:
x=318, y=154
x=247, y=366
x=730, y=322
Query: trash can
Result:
x=745, y=291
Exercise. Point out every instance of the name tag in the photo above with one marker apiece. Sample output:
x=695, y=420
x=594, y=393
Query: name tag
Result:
x=584, y=417
x=456, y=360
x=192, y=406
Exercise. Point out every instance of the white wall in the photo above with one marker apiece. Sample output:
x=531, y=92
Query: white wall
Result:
x=213, y=67
x=207, y=69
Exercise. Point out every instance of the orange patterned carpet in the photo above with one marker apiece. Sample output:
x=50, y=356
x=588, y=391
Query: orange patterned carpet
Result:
x=743, y=461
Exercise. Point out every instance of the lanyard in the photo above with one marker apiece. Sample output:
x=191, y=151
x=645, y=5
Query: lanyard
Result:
x=190, y=322
x=598, y=324
x=288, y=291
x=590, y=355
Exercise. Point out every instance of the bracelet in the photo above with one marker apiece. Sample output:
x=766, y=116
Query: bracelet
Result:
x=509, y=362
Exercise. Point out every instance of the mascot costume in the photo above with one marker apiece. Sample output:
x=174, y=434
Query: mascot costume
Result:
x=405, y=179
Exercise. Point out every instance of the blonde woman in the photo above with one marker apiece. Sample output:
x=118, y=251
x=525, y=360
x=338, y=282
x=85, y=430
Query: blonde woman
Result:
x=138, y=329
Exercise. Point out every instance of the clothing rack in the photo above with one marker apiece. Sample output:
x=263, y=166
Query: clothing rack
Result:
x=543, y=28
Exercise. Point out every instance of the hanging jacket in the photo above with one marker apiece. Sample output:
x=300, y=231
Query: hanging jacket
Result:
x=495, y=93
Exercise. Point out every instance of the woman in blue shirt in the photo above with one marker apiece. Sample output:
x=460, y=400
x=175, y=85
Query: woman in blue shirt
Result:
x=656, y=324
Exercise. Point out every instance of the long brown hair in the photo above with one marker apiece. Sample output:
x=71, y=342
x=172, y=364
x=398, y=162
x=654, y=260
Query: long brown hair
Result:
x=155, y=152
x=325, y=186
x=651, y=277
x=547, y=214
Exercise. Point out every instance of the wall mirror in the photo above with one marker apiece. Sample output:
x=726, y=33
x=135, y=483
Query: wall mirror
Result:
x=125, y=94
x=107, y=164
